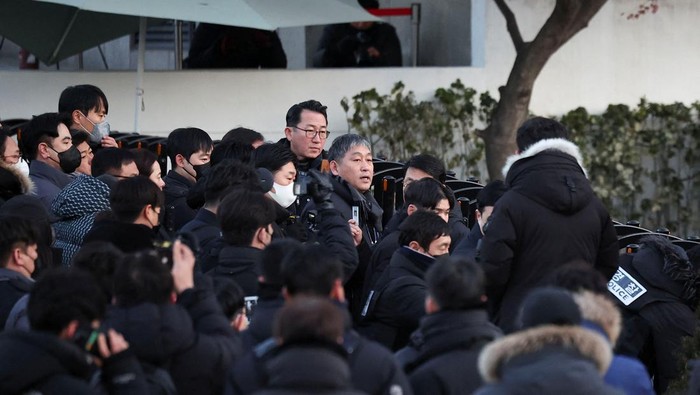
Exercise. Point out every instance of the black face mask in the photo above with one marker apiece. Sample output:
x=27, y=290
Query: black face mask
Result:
x=69, y=160
x=201, y=170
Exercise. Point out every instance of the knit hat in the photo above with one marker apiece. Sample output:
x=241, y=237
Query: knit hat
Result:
x=549, y=306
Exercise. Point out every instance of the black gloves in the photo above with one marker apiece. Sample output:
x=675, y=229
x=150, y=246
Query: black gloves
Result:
x=320, y=189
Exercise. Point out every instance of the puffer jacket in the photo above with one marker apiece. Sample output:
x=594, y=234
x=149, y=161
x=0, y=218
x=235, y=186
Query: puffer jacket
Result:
x=548, y=217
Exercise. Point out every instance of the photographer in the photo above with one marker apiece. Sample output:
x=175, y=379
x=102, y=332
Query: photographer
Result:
x=173, y=322
x=359, y=44
x=66, y=344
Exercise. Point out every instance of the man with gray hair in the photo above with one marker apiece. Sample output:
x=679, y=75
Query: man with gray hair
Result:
x=351, y=163
x=350, y=159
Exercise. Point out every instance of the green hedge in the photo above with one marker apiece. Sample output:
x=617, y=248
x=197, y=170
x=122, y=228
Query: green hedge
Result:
x=643, y=162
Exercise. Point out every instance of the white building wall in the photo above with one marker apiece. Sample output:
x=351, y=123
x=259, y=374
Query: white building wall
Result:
x=614, y=60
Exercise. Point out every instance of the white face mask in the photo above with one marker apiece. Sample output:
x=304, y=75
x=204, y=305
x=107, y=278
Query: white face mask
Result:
x=283, y=195
x=22, y=167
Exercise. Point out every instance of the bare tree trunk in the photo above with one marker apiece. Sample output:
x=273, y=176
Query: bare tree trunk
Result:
x=568, y=18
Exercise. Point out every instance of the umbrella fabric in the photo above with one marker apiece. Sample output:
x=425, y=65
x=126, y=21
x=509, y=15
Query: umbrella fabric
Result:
x=54, y=32
x=259, y=14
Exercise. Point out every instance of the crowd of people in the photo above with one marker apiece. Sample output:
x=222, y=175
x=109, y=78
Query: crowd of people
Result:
x=255, y=267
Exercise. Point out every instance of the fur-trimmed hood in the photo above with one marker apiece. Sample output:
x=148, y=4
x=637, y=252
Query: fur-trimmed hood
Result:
x=551, y=174
x=602, y=312
x=561, y=145
x=27, y=185
x=666, y=266
x=588, y=344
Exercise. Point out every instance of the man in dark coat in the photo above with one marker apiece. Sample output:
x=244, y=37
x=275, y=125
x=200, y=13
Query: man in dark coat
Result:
x=396, y=304
x=423, y=166
x=136, y=204
x=189, y=150
x=191, y=338
x=551, y=355
x=205, y=226
x=305, y=134
x=424, y=194
x=656, y=288
x=548, y=216
x=65, y=310
x=601, y=315
x=359, y=44
x=246, y=218
x=220, y=47
x=308, y=271
x=351, y=163
x=87, y=107
x=485, y=200
x=309, y=359
x=270, y=298
x=442, y=355
x=18, y=252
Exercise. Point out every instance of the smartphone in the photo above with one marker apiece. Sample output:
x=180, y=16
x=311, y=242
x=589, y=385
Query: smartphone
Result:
x=356, y=215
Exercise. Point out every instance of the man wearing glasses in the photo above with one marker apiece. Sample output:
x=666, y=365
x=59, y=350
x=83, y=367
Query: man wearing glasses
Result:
x=306, y=134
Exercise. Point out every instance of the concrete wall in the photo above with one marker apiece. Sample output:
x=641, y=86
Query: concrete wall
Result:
x=612, y=61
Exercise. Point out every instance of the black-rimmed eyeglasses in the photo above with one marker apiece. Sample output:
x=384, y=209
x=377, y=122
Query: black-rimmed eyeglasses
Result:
x=310, y=133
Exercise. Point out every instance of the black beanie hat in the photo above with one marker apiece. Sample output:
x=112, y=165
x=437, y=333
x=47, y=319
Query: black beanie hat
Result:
x=549, y=306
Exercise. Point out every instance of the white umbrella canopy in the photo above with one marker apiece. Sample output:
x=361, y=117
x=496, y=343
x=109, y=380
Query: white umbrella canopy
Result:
x=259, y=14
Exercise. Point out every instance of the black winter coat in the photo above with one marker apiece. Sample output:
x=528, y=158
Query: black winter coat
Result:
x=468, y=246
x=301, y=369
x=548, y=217
x=125, y=236
x=192, y=339
x=397, y=302
x=260, y=328
x=38, y=362
x=342, y=45
x=13, y=285
x=374, y=369
x=240, y=264
x=546, y=360
x=442, y=355
x=656, y=321
x=344, y=198
x=177, y=211
x=205, y=227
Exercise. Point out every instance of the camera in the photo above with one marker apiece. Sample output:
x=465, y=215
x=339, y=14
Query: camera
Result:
x=164, y=249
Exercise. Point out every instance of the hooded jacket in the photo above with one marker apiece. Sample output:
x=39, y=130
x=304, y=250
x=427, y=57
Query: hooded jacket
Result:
x=373, y=368
x=546, y=360
x=13, y=182
x=549, y=216
x=308, y=369
x=76, y=207
x=192, y=339
x=601, y=316
x=442, y=355
x=660, y=313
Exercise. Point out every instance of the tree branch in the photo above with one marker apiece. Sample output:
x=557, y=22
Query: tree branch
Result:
x=511, y=24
